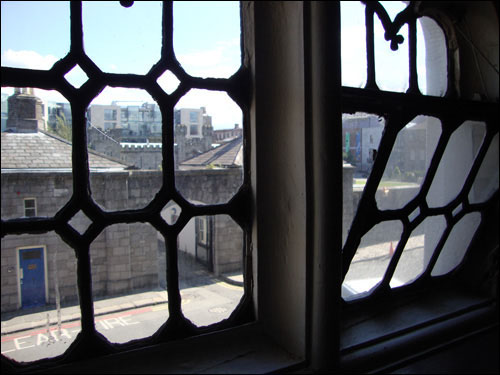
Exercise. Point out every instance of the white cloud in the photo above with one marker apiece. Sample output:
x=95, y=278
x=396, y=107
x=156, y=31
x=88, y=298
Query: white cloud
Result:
x=31, y=60
x=27, y=59
x=224, y=111
x=110, y=94
x=44, y=95
x=222, y=61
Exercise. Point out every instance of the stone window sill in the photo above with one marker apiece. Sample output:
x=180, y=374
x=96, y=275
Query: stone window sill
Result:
x=398, y=335
x=245, y=349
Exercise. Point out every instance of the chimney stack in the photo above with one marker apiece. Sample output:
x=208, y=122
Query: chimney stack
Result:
x=25, y=112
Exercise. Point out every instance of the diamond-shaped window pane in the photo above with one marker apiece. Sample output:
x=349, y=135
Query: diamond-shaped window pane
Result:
x=457, y=244
x=431, y=81
x=358, y=129
x=418, y=250
x=128, y=270
x=76, y=77
x=414, y=214
x=168, y=82
x=171, y=212
x=209, y=162
x=49, y=23
x=457, y=209
x=211, y=252
x=460, y=151
x=26, y=149
x=43, y=314
x=80, y=222
x=204, y=46
x=125, y=128
x=371, y=259
x=407, y=165
x=122, y=39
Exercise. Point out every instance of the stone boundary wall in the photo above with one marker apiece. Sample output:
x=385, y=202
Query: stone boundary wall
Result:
x=147, y=157
x=124, y=257
x=210, y=186
x=228, y=246
x=127, y=257
x=51, y=190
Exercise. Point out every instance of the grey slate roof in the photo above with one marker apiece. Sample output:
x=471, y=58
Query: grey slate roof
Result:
x=42, y=150
x=227, y=155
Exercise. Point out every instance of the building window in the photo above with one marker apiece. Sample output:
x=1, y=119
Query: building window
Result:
x=194, y=130
x=202, y=230
x=29, y=207
x=124, y=114
x=109, y=125
x=193, y=117
x=110, y=114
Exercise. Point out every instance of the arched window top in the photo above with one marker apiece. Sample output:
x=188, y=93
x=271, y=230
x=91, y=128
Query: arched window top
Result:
x=390, y=46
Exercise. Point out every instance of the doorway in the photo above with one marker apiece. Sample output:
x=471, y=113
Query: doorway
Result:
x=32, y=276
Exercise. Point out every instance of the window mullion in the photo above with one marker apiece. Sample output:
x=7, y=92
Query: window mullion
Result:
x=76, y=27
x=370, y=49
x=412, y=34
x=324, y=174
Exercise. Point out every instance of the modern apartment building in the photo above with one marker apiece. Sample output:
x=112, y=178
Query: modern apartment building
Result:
x=194, y=119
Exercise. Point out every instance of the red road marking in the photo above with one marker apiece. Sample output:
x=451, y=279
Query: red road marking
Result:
x=76, y=324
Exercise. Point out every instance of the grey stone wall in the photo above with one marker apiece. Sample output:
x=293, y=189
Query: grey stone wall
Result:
x=214, y=186
x=124, y=257
x=209, y=186
x=60, y=264
x=124, y=190
x=103, y=143
x=51, y=190
x=228, y=245
x=148, y=156
x=144, y=157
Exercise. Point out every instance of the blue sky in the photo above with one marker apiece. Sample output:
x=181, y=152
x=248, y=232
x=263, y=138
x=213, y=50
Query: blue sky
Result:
x=206, y=43
x=128, y=40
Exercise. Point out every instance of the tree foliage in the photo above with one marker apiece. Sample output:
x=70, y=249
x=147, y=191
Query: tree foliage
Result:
x=62, y=128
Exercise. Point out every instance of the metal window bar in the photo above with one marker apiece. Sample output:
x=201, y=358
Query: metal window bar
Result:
x=89, y=342
x=399, y=109
x=407, y=16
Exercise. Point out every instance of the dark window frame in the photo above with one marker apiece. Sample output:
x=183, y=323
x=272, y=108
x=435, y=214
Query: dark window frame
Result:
x=90, y=342
x=384, y=306
x=398, y=109
x=323, y=171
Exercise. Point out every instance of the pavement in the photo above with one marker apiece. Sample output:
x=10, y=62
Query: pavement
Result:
x=47, y=316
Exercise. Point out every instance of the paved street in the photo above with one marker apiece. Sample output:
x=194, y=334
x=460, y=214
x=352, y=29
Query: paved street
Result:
x=206, y=300
x=370, y=263
x=44, y=333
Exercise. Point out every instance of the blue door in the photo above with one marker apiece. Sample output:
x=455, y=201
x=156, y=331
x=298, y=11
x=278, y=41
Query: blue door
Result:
x=32, y=277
